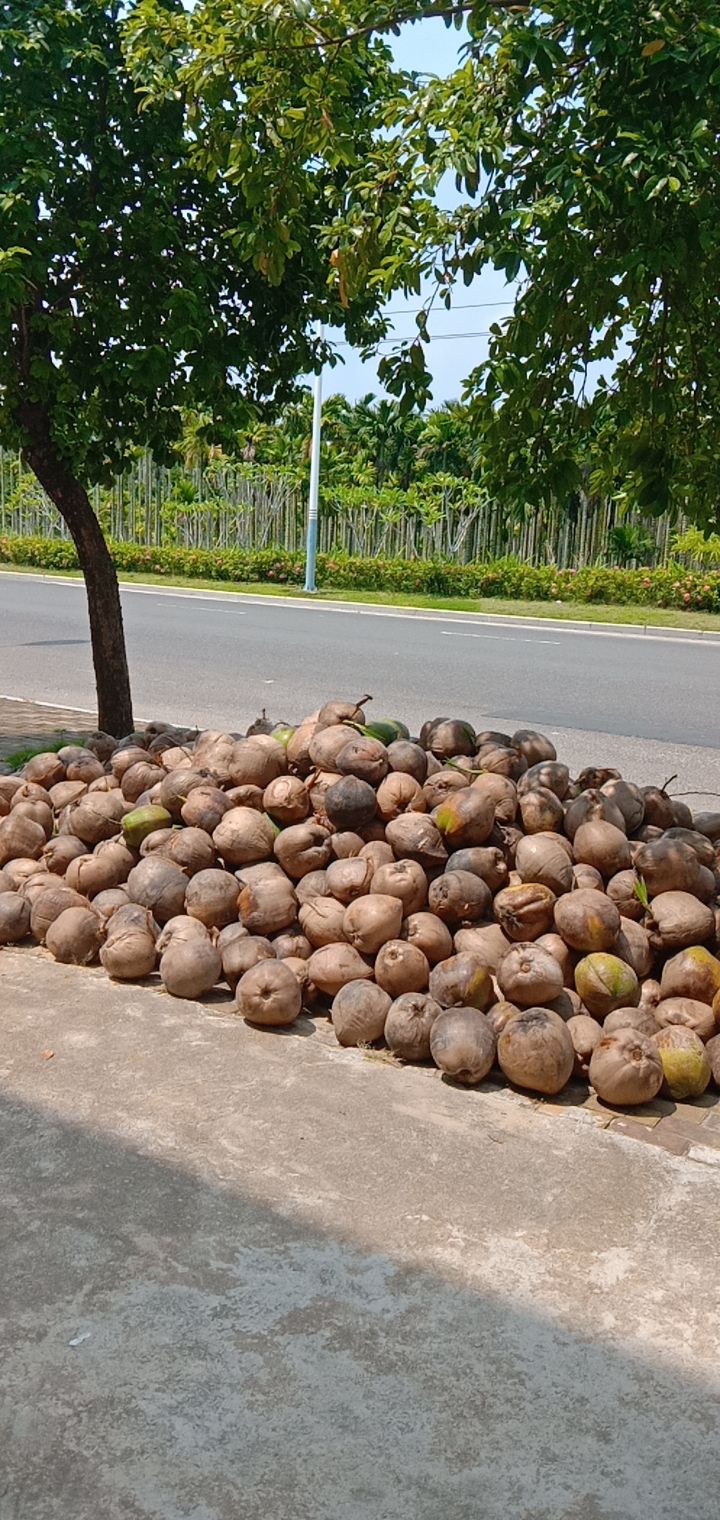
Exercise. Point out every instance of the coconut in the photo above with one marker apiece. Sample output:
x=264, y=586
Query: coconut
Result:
x=701, y=846
x=459, y=897
x=485, y=861
x=286, y=800
x=688, y=1012
x=592, y=806
x=244, y=836
x=397, y=794
x=692, y=973
x=525, y=911
x=46, y=769
x=658, y=807
x=416, y=837
x=408, y=1025
x=400, y=967
x=587, y=920
x=358, y=1013
x=159, y=885
x=633, y=945
x=605, y=982
x=462, y=981
x=349, y=879
x=585, y=1034
x=190, y=967
x=325, y=745
x=502, y=760
x=625, y=1068
x=267, y=906
x=621, y=889
x=529, y=976
x=498, y=1015
x=428, y=934
x=540, y=810
x=441, y=784
x=302, y=848
x=543, y=858
x=640, y=1018
x=364, y=757
x=109, y=866
x=465, y=818
x=39, y=812
x=241, y=952
x=462, y=1044
x=20, y=838
x=14, y=918
x=547, y=773
x=370, y=922
x=686, y=1065
x=107, y=903
x=311, y=886
x=80, y=770
x=129, y=952
x=404, y=879
x=501, y=792
x=446, y=737
x=58, y=852
x=256, y=761
x=292, y=945
x=211, y=897
x=486, y=942
x=322, y=921
x=407, y=758
x=205, y=807
x=650, y=994
x=534, y=746
x=560, y=952
x=587, y=879
x=332, y=966
x=96, y=816
x=180, y=928
x=709, y=825
x=270, y=994
x=680, y=920
x=603, y=846
x=48, y=905
x=668, y=865
x=713, y=1054
x=536, y=1051
x=629, y=799
x=75, y=936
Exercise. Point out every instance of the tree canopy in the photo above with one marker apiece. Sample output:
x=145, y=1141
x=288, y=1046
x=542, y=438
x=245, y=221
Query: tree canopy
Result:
x=585, y=140
x=162, y=226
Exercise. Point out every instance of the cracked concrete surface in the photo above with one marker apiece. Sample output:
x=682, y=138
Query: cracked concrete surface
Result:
x=248, y=1274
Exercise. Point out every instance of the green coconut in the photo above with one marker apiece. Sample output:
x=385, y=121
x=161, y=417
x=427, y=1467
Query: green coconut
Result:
x=685, y=1061
x=605, y=982
x=143, y=821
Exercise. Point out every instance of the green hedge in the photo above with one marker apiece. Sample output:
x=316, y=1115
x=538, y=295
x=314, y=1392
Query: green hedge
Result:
x=671, y=586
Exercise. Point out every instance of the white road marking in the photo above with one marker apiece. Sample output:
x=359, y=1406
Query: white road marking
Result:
x=506, y=638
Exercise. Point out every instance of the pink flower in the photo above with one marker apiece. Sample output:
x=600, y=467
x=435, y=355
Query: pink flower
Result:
x=646, y=580
x=686, y=597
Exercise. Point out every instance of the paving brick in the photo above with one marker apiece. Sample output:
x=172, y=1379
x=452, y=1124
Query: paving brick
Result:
x=646, y=1113
x=697, y=1111
x=676, y=1144
x=696, y=1134
x=712, y=1120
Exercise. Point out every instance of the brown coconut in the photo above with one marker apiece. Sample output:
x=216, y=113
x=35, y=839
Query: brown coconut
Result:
x=75, y=936
x=462, y=1044
x=587, y=920
x=536, y=1051
x=529, y=976
x=370, y=922
x=625, y=1068
x=358, y=1013
x=269, y=994
x=400, y=967
x=408, y=1025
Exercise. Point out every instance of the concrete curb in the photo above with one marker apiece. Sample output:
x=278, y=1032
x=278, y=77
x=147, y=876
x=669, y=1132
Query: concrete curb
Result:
x=393, y=610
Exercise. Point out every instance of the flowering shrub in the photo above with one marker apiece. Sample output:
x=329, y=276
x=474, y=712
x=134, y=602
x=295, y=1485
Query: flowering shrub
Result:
x=671, y=586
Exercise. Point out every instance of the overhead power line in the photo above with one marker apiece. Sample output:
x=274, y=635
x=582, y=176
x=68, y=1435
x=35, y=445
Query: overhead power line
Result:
x=446, y=310
x=433, y=337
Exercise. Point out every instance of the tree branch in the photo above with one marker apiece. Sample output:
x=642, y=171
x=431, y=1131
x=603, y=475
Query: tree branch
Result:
x=433, y=12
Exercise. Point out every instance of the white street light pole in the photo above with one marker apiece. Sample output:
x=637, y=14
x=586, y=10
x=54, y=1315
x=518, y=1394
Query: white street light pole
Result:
x=312, y=522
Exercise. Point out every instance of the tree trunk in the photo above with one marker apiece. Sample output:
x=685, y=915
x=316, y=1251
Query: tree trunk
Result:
x=107, y=634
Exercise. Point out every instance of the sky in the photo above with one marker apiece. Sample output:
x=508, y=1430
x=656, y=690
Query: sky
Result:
x=429, y=46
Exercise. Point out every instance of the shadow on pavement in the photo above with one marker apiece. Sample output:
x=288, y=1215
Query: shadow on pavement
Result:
x=173, y=1350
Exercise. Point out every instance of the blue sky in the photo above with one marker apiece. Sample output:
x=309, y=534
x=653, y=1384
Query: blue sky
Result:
x=429, y=46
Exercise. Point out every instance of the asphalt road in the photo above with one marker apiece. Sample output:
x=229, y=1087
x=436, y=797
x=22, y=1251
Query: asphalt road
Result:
x=217, y=661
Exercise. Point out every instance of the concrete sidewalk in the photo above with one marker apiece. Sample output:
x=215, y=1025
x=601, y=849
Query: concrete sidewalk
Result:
x=28, y=725
x=248, y=1274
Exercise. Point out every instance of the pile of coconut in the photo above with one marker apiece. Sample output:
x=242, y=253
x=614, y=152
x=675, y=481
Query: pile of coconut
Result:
x=456, y=897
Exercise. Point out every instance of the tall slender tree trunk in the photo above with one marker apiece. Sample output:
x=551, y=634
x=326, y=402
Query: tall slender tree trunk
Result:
x=112, y=679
